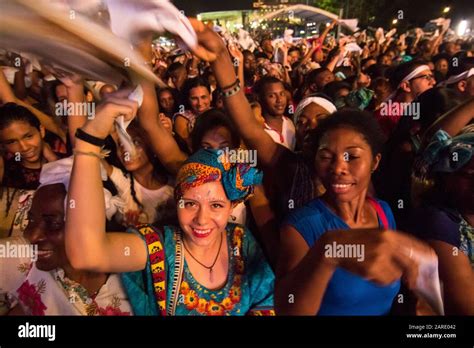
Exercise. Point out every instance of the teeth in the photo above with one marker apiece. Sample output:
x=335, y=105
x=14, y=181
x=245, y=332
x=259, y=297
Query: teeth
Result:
x=44, y=252
x=202, y=231
x=341, y=185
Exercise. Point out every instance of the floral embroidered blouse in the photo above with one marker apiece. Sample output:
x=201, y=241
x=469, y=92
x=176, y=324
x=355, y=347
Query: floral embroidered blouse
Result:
x=249, y=287
x=52, y=293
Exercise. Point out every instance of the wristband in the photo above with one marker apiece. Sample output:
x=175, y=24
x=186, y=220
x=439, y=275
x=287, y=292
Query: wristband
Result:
x=80, y=134
x=231, y=90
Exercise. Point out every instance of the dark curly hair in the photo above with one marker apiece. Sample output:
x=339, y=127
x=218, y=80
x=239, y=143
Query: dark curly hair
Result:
x=360, y=121
x=210, y=120
x=11, y=112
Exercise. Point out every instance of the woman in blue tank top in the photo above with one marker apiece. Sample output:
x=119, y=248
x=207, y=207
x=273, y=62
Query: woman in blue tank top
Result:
x=339, y=253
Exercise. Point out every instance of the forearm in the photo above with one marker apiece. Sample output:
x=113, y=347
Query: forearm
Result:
x=47, y=121
x=240, y=73
x=332, y=63
x=162, y=141
x=458, y=299
x=75, y=95
x=453, y=121
x=241, y=112
x=6, y=93
x=301, y=291
x=436, y=43
x=19, y=84
x=85, y=223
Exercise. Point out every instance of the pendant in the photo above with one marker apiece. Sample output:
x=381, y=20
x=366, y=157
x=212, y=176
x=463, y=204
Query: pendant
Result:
x=211, y=277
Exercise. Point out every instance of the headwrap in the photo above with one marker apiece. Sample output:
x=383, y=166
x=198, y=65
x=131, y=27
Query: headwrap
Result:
x=408, y=77
x=59, y=172
x=208, y=165
x=359, y=98
x=322, y=102
x=445, y=154
x=456, y=78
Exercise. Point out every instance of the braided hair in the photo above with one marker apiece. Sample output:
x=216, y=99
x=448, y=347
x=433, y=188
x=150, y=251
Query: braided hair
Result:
x=133, y=192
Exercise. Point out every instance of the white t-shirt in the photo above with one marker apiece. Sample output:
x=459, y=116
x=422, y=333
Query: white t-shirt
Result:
x=52, y=293
x=158, y=205
x=287, y=137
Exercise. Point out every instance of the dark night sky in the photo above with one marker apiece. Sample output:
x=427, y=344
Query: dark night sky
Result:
x=417, y=11
x=193, y=7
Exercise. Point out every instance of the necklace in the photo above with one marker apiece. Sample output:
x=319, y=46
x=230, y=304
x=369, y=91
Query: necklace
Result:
x=211, y=278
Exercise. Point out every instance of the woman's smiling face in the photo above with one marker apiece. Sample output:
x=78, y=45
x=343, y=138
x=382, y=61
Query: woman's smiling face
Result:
x=21, y=138
x=344, y=163
x=203, y=212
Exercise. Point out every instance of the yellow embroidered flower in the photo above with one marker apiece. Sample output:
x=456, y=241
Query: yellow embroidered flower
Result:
x=215, y=308
x=202, y=306
x=237, y=242
x=191, y=300
x=238, y=232
x=235, y=294
x=184, y=288
x=227, y=304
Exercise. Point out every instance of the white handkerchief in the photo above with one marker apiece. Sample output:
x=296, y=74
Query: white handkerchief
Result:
x=129, y=18
x=9, y=73
x=121, y=125
x=427, y=282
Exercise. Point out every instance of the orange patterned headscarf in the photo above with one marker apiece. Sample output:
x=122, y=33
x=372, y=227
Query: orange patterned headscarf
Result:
x=208, y=165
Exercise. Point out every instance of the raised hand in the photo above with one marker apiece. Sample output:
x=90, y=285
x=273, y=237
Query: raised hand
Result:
x=116, y=104
x=386, y=255
x=210, y=45
x=166, y=122
x=236, y=53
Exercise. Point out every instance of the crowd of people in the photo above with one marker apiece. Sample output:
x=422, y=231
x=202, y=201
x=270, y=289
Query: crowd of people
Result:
x=367, y=149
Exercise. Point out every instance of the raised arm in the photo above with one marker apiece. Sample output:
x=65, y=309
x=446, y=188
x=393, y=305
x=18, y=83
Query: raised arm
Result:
x=7, y=96
x=238, y=58
x=458, y=279
x=453, y=121
x=75, y=94
x=161, y=140
x=237, y=105
x=88, y=246
x=6, y=93
x=303, y=273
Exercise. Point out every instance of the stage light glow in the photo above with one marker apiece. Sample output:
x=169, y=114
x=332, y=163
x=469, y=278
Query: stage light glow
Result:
x=462, y=27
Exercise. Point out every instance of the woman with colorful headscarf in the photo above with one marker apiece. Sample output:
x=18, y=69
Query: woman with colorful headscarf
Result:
x=204, y=266
x=446, y=216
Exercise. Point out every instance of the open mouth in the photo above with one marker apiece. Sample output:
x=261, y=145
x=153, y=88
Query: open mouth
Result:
x=45, y=254
x=341, y=188
x=201, y=233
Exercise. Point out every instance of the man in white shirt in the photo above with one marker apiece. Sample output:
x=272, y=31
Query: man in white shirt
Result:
x=273, y=99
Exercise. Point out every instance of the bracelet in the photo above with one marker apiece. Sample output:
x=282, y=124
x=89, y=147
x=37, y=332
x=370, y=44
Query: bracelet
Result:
x=235, y=88
x=237, y=81
x=80, y=134
x=101, y=155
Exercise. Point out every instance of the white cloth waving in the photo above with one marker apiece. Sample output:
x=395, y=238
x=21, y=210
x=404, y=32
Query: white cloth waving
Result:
x=129, y=18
